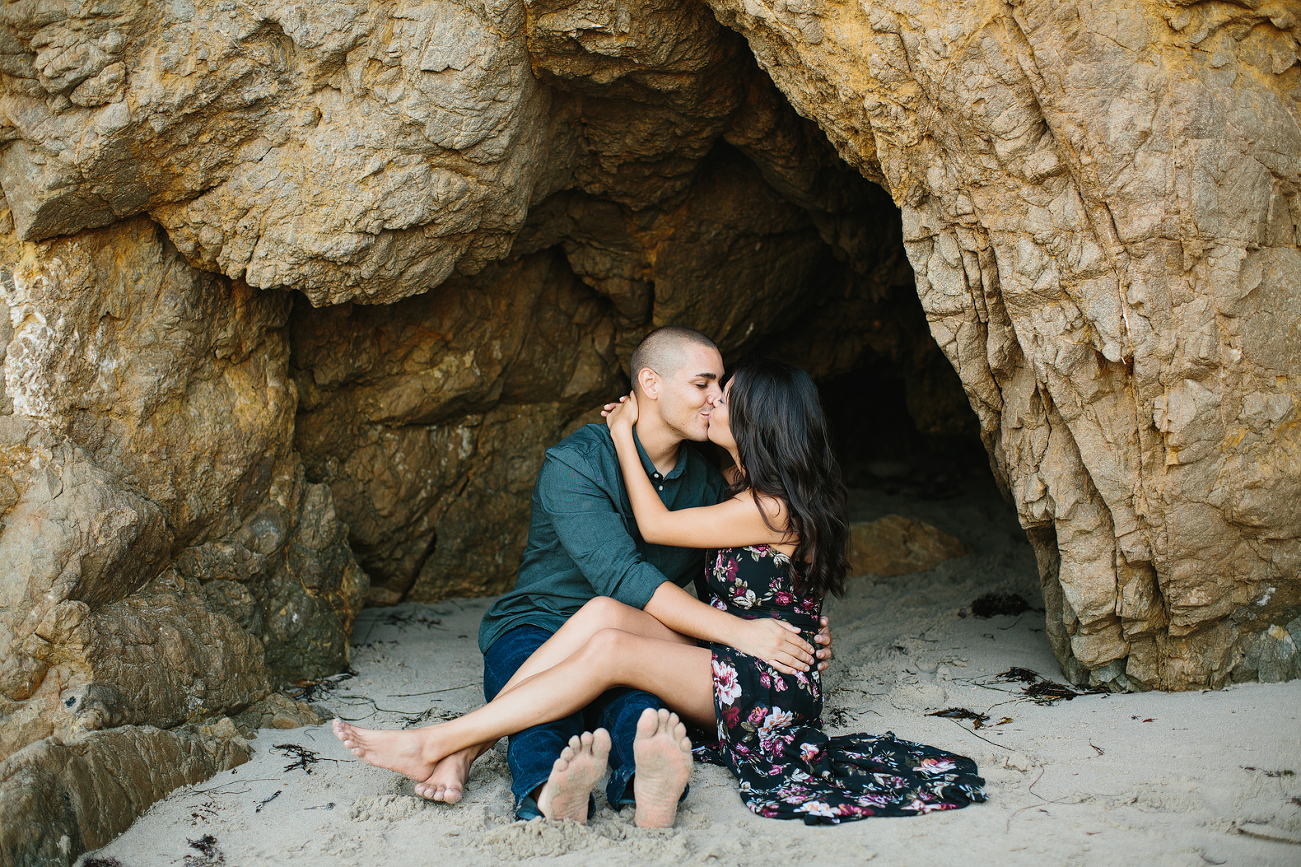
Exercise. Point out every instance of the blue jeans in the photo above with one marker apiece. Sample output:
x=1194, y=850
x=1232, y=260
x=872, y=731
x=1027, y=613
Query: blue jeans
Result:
x=532, y=752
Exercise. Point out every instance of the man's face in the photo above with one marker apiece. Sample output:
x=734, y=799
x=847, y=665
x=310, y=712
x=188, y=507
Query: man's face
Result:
x=687, y=396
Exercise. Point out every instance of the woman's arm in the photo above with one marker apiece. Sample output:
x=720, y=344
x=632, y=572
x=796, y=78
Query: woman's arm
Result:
x=730, y=524
x=774, y=641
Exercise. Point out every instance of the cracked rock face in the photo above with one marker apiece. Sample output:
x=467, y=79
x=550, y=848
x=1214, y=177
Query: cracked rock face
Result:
x=1103, y=210
x=304, y=289
x=162, y=557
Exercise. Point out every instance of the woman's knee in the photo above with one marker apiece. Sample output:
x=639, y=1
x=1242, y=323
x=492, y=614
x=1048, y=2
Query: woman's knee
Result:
x=602, y=611
x=609, y=647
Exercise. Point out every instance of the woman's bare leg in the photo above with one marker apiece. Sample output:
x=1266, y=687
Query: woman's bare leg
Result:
x=679, y=674
x=447, y=781
x=599, y=613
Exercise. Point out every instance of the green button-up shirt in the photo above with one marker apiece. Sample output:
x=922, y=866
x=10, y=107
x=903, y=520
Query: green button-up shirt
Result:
x=583, y=539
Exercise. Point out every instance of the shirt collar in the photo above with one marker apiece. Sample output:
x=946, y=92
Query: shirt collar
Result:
x=649, y=467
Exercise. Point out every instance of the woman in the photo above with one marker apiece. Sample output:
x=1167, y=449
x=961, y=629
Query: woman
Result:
x=780, y=538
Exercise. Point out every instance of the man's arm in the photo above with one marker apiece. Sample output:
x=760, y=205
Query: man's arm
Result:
x=595, y=535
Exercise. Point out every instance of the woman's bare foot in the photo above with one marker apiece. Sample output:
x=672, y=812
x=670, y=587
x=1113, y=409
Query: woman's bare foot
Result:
x=663, y=753
x=447, y=782
x=403, y=751
x=580, y=766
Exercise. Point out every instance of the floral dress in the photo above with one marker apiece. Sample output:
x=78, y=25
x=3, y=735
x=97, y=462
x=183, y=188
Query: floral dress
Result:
x=770, y=734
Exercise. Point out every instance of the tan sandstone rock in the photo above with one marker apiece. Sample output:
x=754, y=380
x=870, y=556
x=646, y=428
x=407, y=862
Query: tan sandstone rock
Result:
x=1100, y=209
x=1103, y=208
x=62, y=797
x=162, y=559
x=895, y=545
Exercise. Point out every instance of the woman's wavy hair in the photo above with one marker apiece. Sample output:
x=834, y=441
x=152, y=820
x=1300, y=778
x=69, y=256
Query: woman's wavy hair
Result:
x=782, y=443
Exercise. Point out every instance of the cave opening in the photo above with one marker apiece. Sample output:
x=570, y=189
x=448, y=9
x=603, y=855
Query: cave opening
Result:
x=428, y=417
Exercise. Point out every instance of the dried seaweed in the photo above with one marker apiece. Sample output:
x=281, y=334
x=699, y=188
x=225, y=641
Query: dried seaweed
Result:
x=977, y=719
x=1044, y=691
x=999, y=604
x=261, y=804
x=209, y=855
x=101, y=862
x=303, y=757
x=315, y=690
x=1282, y=773
x=1021, y=675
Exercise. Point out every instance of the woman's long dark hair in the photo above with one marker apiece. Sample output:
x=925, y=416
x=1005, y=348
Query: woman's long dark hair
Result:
x=782, y=443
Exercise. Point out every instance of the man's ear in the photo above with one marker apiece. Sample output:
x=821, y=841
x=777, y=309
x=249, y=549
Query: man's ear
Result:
x=648, y=382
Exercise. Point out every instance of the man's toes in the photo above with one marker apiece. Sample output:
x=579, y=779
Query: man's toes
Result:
x=601, y=742
x=647, y=723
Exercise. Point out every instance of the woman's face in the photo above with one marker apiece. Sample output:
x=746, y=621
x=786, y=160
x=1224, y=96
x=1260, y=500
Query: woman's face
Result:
x=720, y=424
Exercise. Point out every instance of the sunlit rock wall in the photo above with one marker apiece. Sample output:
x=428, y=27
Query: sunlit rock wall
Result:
x=301, y=290
x=162, y=557
x=1102, y=204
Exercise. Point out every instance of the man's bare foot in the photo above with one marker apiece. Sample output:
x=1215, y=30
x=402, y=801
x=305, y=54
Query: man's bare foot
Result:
x=403, y=751
x=447, y=782
x=663, y=753
x=564, y=795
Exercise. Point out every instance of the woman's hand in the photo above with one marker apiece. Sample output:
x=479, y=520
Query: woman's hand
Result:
x=776, y=643
x=622, y=413
x=823, y=638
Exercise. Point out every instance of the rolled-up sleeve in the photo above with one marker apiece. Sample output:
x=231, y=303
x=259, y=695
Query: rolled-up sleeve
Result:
x=589, y=527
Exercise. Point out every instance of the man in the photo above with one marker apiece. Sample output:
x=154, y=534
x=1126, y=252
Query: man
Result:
x=583, y=542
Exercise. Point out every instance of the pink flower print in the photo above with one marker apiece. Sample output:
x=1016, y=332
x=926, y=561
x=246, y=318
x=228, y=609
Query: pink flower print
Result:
x=765, y=680
x=757, y=715
x=773, y=726
x=935, y=766
x=726, y=685
x=779, y=684
x=783, y=598
x=810, y=752
x=921, y=806
x=731, y=716
x=816, y=808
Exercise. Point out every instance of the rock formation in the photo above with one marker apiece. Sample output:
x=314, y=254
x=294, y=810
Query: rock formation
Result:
x=896, y=545
x=1103, y=209
x=298, y=293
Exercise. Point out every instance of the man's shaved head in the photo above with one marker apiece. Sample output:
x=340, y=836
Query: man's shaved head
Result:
x=663, y=350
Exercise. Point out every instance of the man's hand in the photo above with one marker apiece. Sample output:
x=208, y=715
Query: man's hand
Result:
x=775, y=642
x=823, y=638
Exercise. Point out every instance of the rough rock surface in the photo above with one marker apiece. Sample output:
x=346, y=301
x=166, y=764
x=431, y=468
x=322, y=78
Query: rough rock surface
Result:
x=82, y=793
x=1103, y=208
x=895, y=545
x=340, y=148
x=162, y=558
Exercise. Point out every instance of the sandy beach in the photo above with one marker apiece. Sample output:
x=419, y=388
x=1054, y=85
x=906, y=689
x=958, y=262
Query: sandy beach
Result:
x=1183, y=779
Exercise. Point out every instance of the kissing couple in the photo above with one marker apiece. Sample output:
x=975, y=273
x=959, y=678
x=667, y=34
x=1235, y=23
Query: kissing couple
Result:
x=598, y=656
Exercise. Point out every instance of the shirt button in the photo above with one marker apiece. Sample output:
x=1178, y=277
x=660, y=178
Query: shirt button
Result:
x=661, y=487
